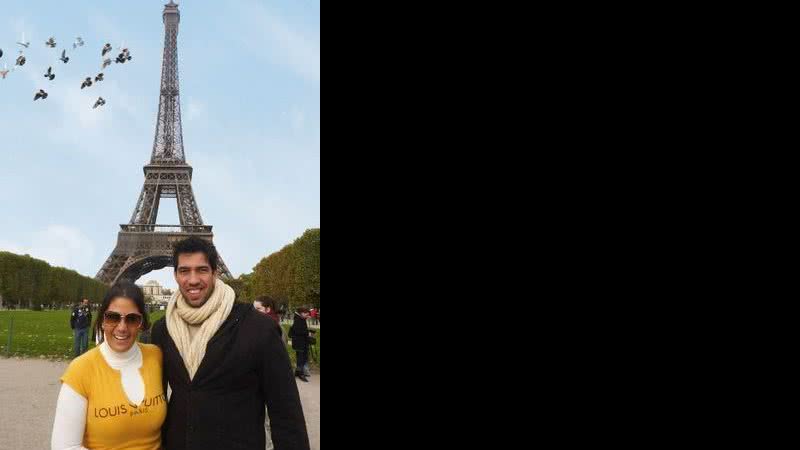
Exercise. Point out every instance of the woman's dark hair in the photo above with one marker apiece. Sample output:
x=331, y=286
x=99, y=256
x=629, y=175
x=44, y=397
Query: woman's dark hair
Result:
x=267, y=301
x=126, y=289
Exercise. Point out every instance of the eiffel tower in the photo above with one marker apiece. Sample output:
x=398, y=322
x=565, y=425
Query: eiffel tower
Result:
x=144, y=246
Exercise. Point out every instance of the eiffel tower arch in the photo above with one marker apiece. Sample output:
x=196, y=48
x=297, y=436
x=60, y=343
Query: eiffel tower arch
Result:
x=143, y=245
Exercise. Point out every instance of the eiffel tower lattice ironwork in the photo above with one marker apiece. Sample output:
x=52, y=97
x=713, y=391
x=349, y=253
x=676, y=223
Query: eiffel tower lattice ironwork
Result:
x=144, y=246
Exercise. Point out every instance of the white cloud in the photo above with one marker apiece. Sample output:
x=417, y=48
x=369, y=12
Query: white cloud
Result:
x=194, y=109
x=298, y=119
x=238, y=192
x=58, y=245
x=105, y=26
x=279, y=41
x=79, y=104
x=11, y=247
x=76, y=105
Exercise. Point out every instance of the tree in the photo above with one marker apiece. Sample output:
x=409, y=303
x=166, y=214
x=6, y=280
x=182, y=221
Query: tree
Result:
x=291, y=276
x=26, y=282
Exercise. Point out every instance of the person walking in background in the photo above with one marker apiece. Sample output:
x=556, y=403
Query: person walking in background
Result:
x=300, y=342
x=80, y=321
x=265, y=305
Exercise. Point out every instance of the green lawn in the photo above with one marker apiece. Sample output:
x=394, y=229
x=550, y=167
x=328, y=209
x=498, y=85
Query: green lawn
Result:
x=37, y=333
x=47, y=333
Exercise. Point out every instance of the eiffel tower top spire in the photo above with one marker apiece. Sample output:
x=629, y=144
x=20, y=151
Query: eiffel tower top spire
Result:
x=168, y=143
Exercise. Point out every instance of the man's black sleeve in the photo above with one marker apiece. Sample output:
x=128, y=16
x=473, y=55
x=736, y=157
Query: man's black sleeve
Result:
x=158, y=337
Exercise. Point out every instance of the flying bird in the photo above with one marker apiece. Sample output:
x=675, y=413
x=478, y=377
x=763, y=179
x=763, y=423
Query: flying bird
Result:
x=51, y=42
x=41, y=94
x=124, y=56
x=99, y=102
x=87, y=82
x=64, y=56
x=50, y=74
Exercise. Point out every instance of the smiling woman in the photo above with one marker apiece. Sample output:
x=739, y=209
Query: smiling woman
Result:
x=122, y=316
x=112, y=396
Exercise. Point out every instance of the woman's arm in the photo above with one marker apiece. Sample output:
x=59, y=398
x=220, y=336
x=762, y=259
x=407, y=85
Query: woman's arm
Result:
x=70, y=423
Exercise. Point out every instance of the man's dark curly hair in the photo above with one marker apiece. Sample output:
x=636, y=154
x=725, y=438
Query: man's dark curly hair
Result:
x=195, y=245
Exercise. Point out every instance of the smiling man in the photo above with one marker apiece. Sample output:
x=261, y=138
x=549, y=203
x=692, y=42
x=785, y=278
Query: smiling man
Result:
x=224, y=362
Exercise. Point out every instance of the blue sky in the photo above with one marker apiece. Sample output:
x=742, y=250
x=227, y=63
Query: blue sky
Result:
x=250, y=100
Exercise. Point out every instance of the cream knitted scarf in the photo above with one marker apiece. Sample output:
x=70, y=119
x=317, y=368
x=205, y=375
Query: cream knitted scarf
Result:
x=211, y=315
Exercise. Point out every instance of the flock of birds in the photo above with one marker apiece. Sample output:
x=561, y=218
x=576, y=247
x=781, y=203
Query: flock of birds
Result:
x=123, y=57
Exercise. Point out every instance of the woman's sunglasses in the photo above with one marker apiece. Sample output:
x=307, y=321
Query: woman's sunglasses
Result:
x=113, y=319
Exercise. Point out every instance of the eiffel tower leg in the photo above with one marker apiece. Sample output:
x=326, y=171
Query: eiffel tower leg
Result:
x=187, y=206
x=112, y=268
x=224, y=273
x=146, y=209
